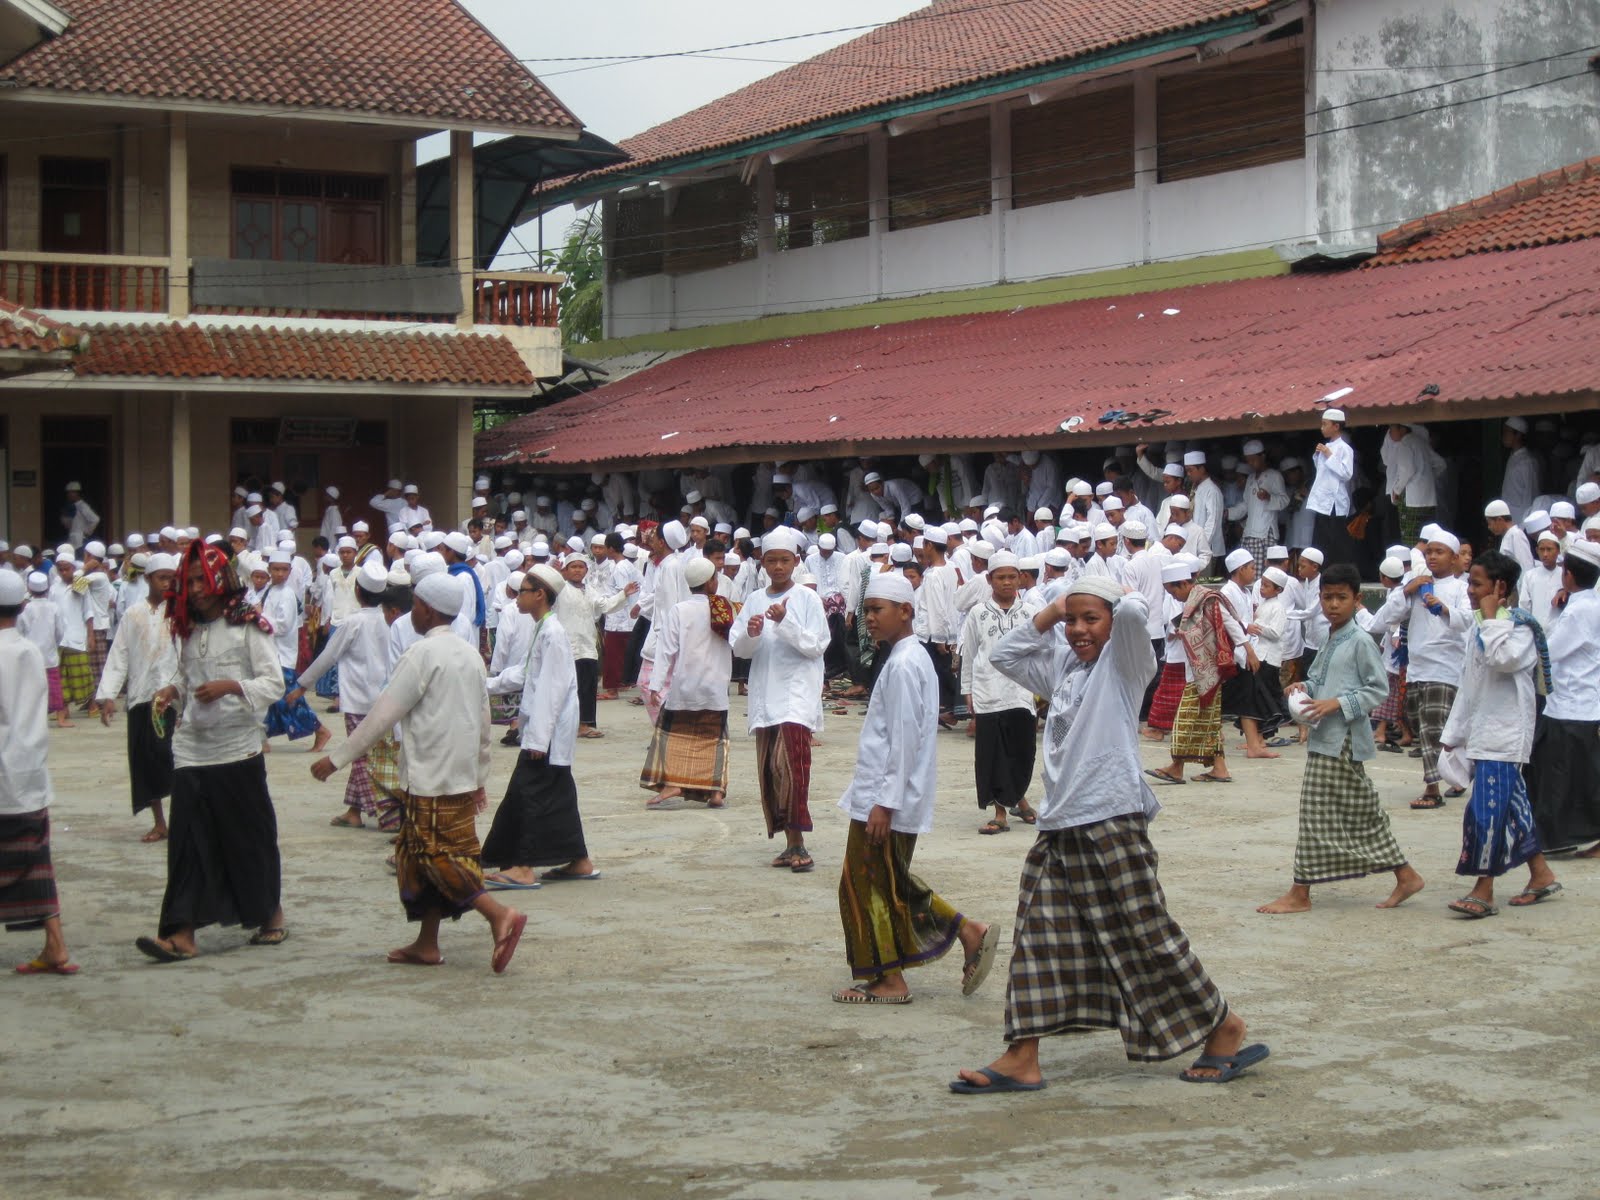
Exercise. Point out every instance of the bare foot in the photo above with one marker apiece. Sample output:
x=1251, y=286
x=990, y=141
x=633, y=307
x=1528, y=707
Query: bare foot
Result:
x=66, y=724
x=1224, y=1041
x=1153, y=735
x=158, y=834
x=1592, y=852
x=663, y=796
x=1295, y=900
x=413, y=956
x=1262, y=754
x=324, y=736
x=717, y=800
x=1407, y=883
x=885, y=985
x=348, y=819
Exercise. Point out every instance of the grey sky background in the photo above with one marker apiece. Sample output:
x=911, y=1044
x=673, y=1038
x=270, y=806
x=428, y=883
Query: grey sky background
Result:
x=620, y=99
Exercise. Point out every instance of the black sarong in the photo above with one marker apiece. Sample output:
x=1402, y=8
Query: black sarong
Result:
x=149, y=756
x=1003, y=763
x=537, y=824
x=1564, y=782
x=222, y=848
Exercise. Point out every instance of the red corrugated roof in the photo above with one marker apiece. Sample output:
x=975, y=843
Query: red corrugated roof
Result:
x=427, y=59
x=187, y=351
x=1557, y=206
x=1253, y=354
x=23, y=329
x=948, y=45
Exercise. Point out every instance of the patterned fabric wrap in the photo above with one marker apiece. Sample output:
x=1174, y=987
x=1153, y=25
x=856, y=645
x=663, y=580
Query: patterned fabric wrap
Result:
x=52, y=678
x=688, y=750
x=1206, y=641
x=99, y=647
x=721, y=615
x=27, y=876
x=436, y=858
x=1169, y=693
x=892, y=920
x=1498, y=833
x=77, y=678
x=297, y=720
x=1197, y=730
x=1344, y=831
x=1096, y=949
x=1427, y=709
x=1394, y=705
x=783, y=763
x=221, y=578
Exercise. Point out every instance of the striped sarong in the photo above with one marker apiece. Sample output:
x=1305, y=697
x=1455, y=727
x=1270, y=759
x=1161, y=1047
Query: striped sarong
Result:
x=27, y=876
x=783, y=764
x=1169, y=692
x=99, y=648
x=77, y=678
x=1258, y=551
x=52, y=678
x=359, y=793
x=1411, y=522
x=688, y=751
x=892, y=920
x=1096, y=949
x=1197, y=731
x=1344, y=831
x=1394, y=704
x=1427, y=709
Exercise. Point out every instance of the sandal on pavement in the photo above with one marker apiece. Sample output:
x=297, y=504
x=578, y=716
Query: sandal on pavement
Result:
x=161, y=952
x=858, y=994
x=992, y=827
x=976, y=969
x=998, y=1082
x=802, y=861
x=1227, y=1066
x=1472, y=908
x=39, y=966
x=1163, y=776
x=270, y=937
x=784, y=859
x=1425, y=802
x=1531, y=896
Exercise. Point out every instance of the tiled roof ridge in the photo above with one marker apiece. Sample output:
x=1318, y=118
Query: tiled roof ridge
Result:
x=24, y=328
x=1490, y=205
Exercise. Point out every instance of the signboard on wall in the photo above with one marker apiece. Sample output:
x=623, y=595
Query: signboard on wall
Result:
x=325, y=433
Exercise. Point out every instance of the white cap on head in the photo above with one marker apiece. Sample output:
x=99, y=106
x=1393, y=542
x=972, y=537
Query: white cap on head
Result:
x=135, y=540
x=361, y=527
x=280, y=558
x=1312, y=554
x=1277, y=576
x=891, y=586
x=410, y=489
x=1560, y=510
x=160, y=562
x=191, y=532
x=781, y=538
x=1031, y=562
x=480, y=502
x=398, y=576
x=252, y=498
x=1175, y=531
x=1550, y=535
x=1588, y=493
x=1333, y=414
x=328, y=561
x=1279, y=553
x=1179, y=500
x=980, y=550
x=967, y=525
x=878, y=550
x=900, y=553
x=698, y=571
x=740, y=534
x=442, y=592
x=38, y=582
x=457, y=541
x=675, y=535
x=95, y=549
x=1111, y=504
x=1520, y=424
x=977, y=501
x=432, y=540
x=805, y=514
x=1104, y=530
x=1176, y=571
x=424, y=563
x=213, y=539
x=1058, y=558
x=1536, y=522
x=1104, y=488
x=700, y=523
x=936, y=535
x=1082, y=488
x=692, y=498
x=1000, y=559
x=779, y=479
x=1043, y=514
x=74, y=486
x=869, y=477
x=1134, y=531
x=598, y=539
x=1194, y=458
x=1237, y=558
x=575, y=544
x=1289, y=463
x=1253, y=447
x=1172, y=471
x=1030, y=458
x=253, y=510
x=1588, y=551
x=13, y=591
x=372, y=577
x=827, y=542
x=241, y=492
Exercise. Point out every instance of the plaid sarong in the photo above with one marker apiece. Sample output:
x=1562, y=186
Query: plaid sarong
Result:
x=1258, y=551
x=52, y=678
x=1096, y=949
x=383, y=769
x=1344, y=831
x=689, y=751
x=783, y=764
x=1427, y=709
x=359, y=793
x=27, y=876
x=1394, y=705
x=77, y=678
x=436, y=858
x=1169, y=692
x=1197, y=731
x=99, y=647
x=892, y=920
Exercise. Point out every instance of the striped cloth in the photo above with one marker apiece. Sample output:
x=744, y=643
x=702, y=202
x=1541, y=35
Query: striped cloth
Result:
x=27, y=876
x=52, y=678
x=99, y=648
x=1197, y=731
x=1096, y=949
x=1427, y=709
x=1394, y=705
x=688, y=751
x=1344, y=831
x=1169, y=692
x=892, y=920
x=783, y=764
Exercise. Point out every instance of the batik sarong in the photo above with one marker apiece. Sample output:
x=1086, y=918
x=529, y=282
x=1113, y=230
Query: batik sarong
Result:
x=1344, y=831
x=688, y=751
x=1393, y=708
x=77, y=678
x=436, y=858
x=297, y=720
x=52, y=679
x=99, y=648
x=1197, y=731
x=892, y=920
x=1498, y=832
x=783, y=766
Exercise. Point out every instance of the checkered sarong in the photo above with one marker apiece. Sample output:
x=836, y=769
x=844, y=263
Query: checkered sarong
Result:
x=99, y=648
x=1258, y=551
x=77, y=678
x=1344, y=832
x=1427, y=709
x=1197, y=731
x=1394, y=704
x=359, y=793
x=1096, y=949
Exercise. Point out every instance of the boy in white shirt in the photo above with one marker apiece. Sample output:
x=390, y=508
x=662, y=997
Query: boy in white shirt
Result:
x=1537, y=589
x=281, y=608
x=42, y=625
x=688, y=755
x=1006, y=725
x=892, y=920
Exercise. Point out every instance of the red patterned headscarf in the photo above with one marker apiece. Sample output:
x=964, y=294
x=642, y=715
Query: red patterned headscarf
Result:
x=221, y=579
x=721, y=615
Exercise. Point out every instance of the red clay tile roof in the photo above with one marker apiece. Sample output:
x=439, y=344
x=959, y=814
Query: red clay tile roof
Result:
x=949, y=44
x=1558, y=206
x=427, y=59
x=186, y=351
x=23, y=329
x=1488, y=329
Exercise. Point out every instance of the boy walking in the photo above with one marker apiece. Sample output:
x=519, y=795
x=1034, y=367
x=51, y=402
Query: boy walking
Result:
x=1003, y=711
x=1344, y=832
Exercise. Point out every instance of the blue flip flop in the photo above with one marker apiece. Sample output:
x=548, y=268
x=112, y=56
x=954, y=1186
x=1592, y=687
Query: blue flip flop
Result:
x=511, y=885
x=998, y=1082
x=1230, y=1066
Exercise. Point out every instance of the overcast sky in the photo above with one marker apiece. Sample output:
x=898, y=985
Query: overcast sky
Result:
x=618, y=100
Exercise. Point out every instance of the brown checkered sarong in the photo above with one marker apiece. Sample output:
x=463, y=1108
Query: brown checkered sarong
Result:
x=1427, y=707
x=688, y=751
x=1096, y=949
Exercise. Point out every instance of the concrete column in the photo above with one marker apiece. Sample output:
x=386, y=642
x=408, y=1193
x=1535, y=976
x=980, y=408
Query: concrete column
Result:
x=406, y=249
x=608, y=232
x=999, y=185
x=178, y=218
x=1144, y=158
x=461, y=222
x=182, y=449
x=766, y=230
x=877, y=208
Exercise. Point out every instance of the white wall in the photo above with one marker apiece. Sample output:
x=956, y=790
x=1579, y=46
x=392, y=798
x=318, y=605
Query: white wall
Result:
x=1236, y=210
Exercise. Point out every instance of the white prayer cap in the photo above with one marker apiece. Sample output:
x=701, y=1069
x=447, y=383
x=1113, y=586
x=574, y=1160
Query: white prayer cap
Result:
x=951, y=529
x=135, y=540
x=588, y=506
x=411, y=489
x=253, y=511
x=1289, y=463
x=891, y=586
x=277, y=487
x=1104, y=530
x=1277, y=552
x=1082, y=488
x=1103, y=488
x=115, y=550
x=900, y=553
x=967, y=525
x=1195, y=458
x=917, y=543
x=1175, y=531
x=977, y=501
x=1228, y=462
x=1134, y=531
x=1333, y=414
x=514, y=498
x=74, y=486
x=328, y=561
x=1071, y=485
x=373, y=576
x=519, y=516
x=403, y=541
x=913, y=521
x=1102, y=586
x=360, y=527
x=1176, y=571
x=980, y=550
x=781, y=480
x=346, y=543
x=1179, y=500
x=1428, y=530
x=1029, y=458
x=280, y=558
x=252, y=498
x=398, y=576
x=97, y=549
x=730, y=559
x=514, y=558
x=481, y=483
x=1058, y=558
x=1279, y=578
x=698, y=571
x=598, y=539
x=805, y=514
x=1520, y=424
x=692, y=498
x=213, y=539
x=1549, y=535
x=23, y=551
x=999, y=559
x=1589, y=552
x=333, y=492
x=540, y=549
x=1172, y=471
x=1238, y=558
x=441, y=592
x=66, y=551
x=575, y=544
x=675, y=535
x=1174, y=457
x=827, y=542
x=740, y=534
x=1400, y=552
x=254, y=564
x=1560, y=510
x=240, y=492
x=425, y=563
x=1312, y=554
x=936, y=535
x=431, y=540
x=455, y=540
x=723, y=528
x=1253, y=447
x=1535, y=522
x=1111, y=504
x=1032, y=562
x=781, y=538
x=480, y=502
x=990, y=511
x=503, y=542
x=286, y=539
x=700, y=523
x=192, y=532
x=1588, y=493
x=13, y=590
x=157, y=562
x=878, y=550
x=1043, y=513
x=38, y=581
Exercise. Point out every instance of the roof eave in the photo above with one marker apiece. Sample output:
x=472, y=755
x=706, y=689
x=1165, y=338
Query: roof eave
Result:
x=949, y=97
x=313, y=387
x=43, y=14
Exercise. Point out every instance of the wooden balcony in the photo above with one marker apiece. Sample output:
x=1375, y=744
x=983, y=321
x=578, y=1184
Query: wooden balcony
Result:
x=521, y=299
x=117, y=283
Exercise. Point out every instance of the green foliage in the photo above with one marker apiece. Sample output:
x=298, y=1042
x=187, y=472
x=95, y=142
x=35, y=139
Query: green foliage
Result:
x=582, y=296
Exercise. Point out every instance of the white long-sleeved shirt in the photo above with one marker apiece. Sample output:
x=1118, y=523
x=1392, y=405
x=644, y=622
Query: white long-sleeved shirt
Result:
x=829, y=570
x=332, y=522
x=896, y=766
x=436, y=696
x=24, y=727
x=360, y=649
x=1493, y=714
x=1521, y=483
x=621, y=574
x=785, y=658
x=142, y=655
x=1436, y=643
x=1574, y=640
x=937, y=600
x=548, y=682
x=1537, y=589
x=281, y=607
x=40, y=622
x=228, y=729
x=1092, y=769
x=1260, y=517
x=1143, y=575
x=1515, y=543
x=1209, y=509
x=694, y=662
x=1271, y=621
x=1330, y=489
x=580, y=613
x=991, y=690
x=668, y=587
x=84, y=522
x=1306, y=612
x=1411, y=470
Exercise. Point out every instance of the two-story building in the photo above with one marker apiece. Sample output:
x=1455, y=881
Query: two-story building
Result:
x=227, y=197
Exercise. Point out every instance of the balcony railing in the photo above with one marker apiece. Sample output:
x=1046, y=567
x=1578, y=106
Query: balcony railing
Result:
x=518, y=298
x=84, y=282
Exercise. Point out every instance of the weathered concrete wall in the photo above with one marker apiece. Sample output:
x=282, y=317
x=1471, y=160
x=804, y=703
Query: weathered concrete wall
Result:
x=1372, y=178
